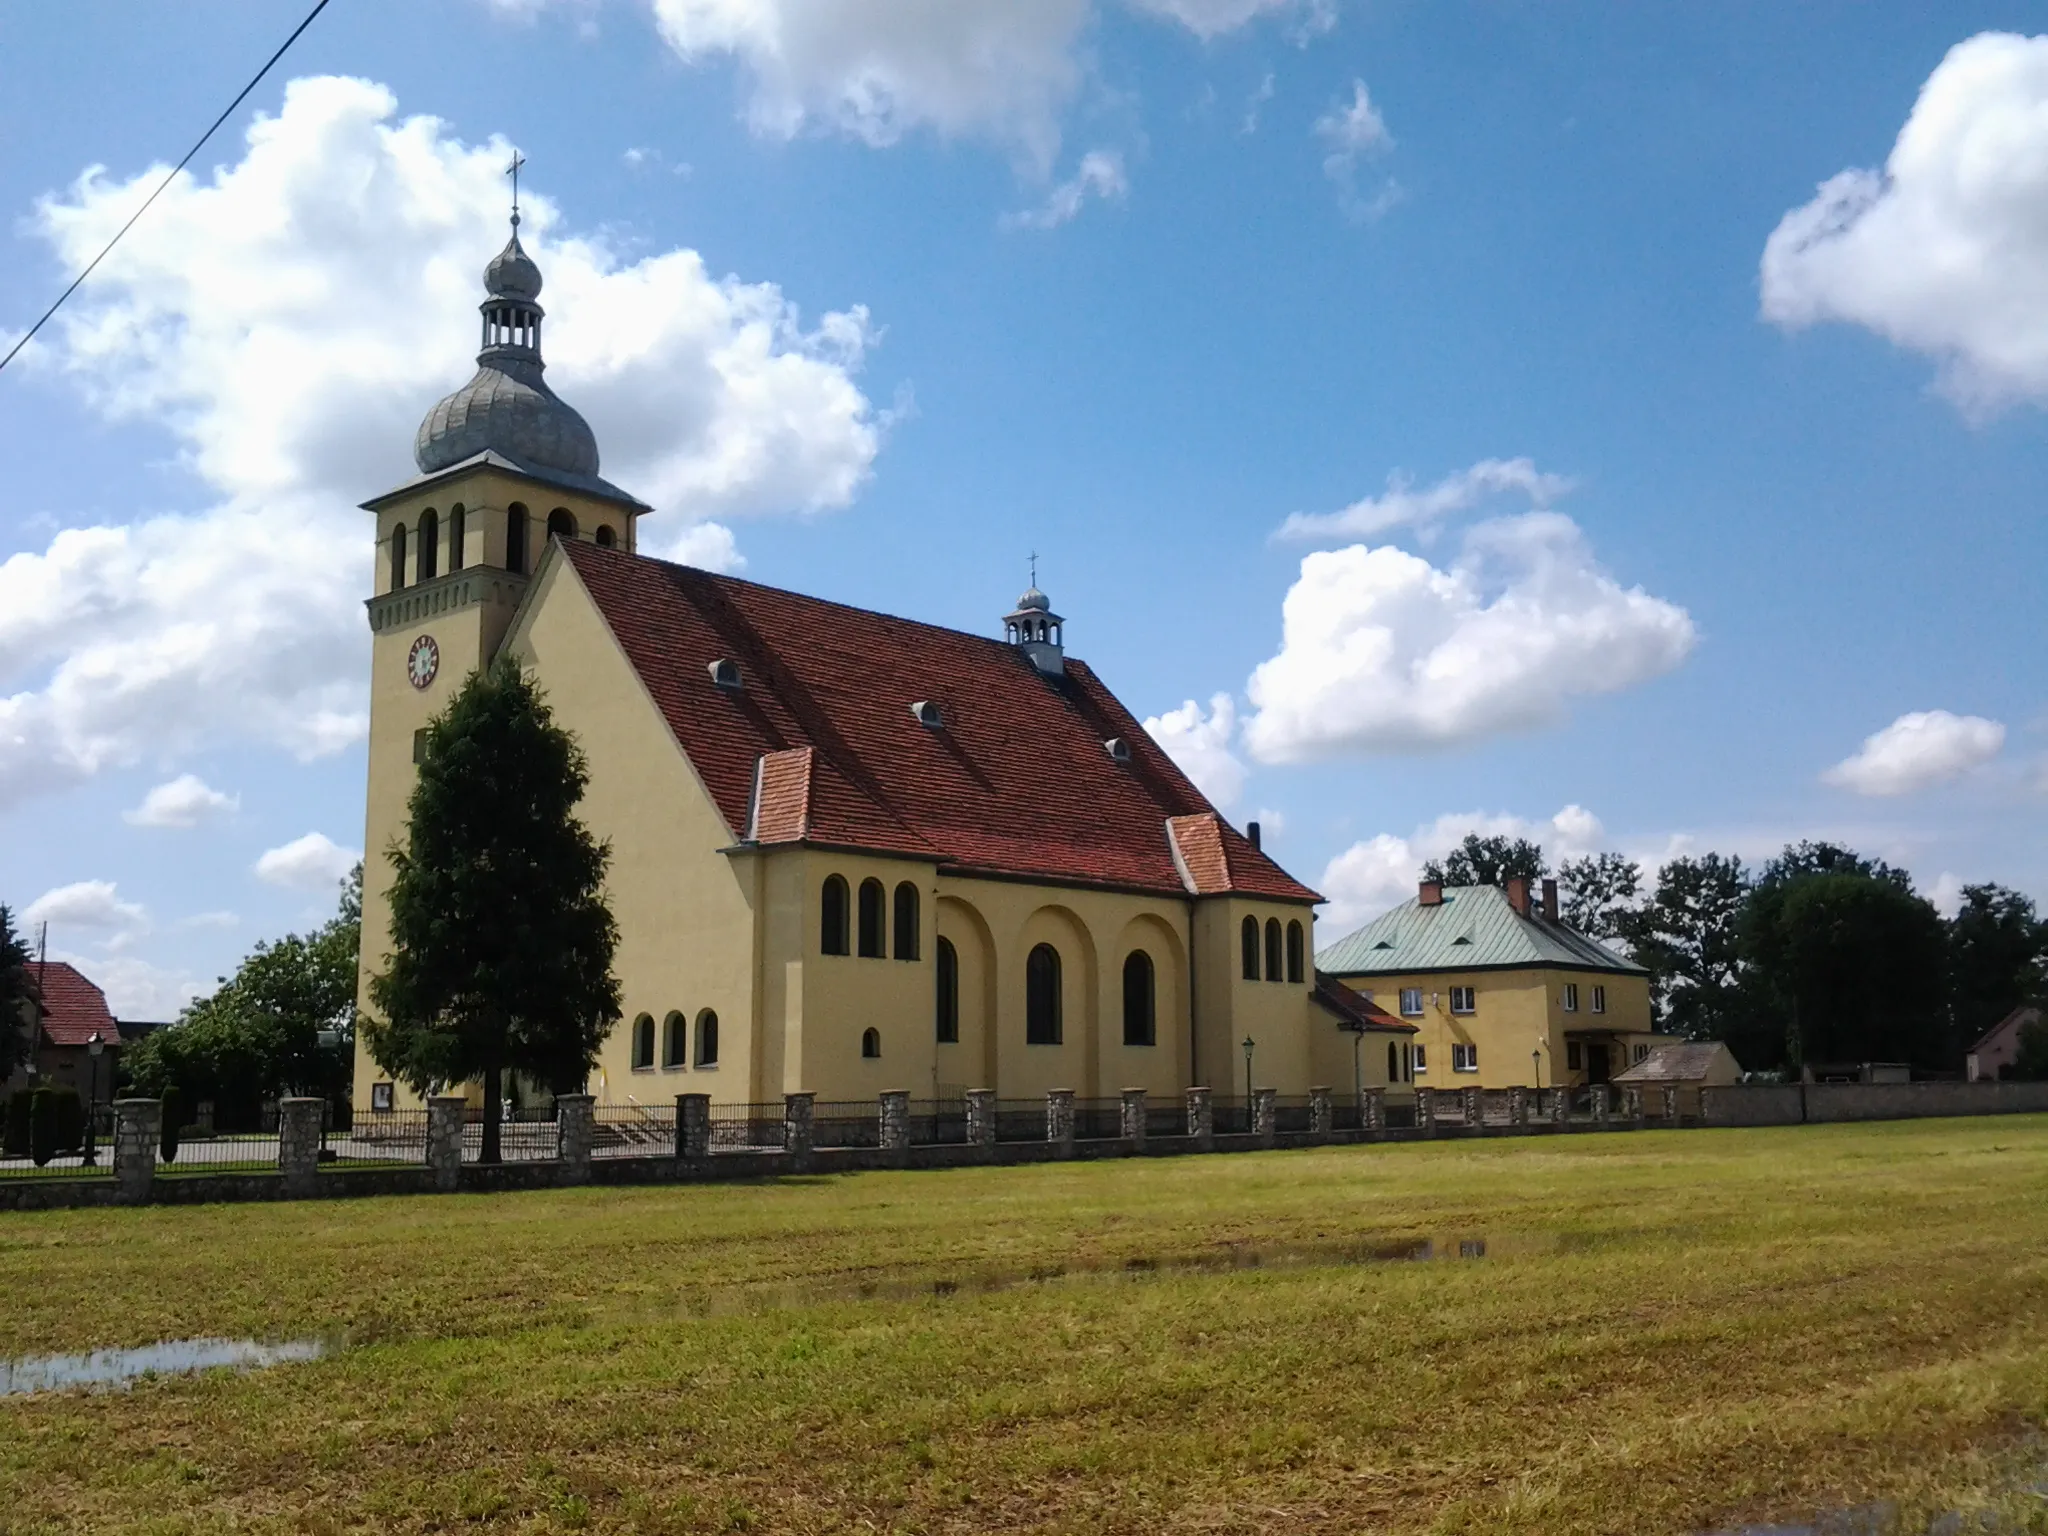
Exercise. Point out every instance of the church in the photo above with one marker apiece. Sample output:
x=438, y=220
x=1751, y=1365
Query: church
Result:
x=850, y=852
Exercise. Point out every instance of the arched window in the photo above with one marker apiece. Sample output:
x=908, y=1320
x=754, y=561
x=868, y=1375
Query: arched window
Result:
x=515, y=539
x=458, y=534
x=874, y=915
x=1393, y=1062
x=1272, y=949
x=707, y=1039
x=832, y=915
x=1139, y=1028
x=906, y=921
x=430, y=544
x=870, y=1044
x=605, y=537
x=1042, y=996
x=1248, y=941
x=643, y=1042
x=675, y=1041
x=1296, y=961
x=561, y=524
x=398, y=558
x=948, y=1008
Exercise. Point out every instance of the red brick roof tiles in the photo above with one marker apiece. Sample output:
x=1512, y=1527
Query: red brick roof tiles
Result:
x=1356, y=1009
x=73, y=1008
x=782, y=796
x=1015, y=782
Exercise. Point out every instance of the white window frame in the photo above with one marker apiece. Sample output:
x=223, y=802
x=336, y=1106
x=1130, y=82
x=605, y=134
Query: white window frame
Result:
x=1571, y=997
x=1464, y=1057
x=1421, y=1061
x=1599, y=999
x=1411, y=995
x=1471, y=997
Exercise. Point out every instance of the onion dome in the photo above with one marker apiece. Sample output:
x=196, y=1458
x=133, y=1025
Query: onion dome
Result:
x=508, y=407
x=1034, y=601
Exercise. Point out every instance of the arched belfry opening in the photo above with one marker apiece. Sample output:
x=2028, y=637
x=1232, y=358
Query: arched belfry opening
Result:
x=1033, y=628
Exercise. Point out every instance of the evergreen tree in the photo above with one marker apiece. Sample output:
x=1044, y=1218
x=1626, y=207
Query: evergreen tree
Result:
x=501, y=940
x=17, y=998
x=1488, y=861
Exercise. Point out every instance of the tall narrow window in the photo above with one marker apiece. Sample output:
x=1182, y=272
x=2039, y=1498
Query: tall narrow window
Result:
x=1248, y=936
x=707, y=1039
x=515, y=539
x=1273, y=949
x=1139, y=1025
x=1042, y=996
x=832, y=916
x=906, y=921
x=675, y=1041
x=430, y=544
x=1599, y=999
x=873, y=915
x=1393, y=1062
x=948, y=1006
x=643, y=1042
x=398, y=558
x=1296, y=960
x=561, y=524
x=458, y=535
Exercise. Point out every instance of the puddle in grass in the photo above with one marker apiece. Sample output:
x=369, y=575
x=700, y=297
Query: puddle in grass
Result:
x=171, y=1357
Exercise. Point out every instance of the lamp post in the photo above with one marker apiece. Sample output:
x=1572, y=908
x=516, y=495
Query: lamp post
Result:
x=95, y=1047
x=1248, y=1044
x=1536, y=1067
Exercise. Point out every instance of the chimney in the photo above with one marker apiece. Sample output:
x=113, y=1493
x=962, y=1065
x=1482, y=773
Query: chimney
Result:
x=1432, y=893
x=1550, y=901
x=1518, y=895
x=1251, y=833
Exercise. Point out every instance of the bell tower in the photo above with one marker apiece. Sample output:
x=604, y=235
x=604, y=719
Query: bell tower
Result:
x=505, y=465
x=1033, y=628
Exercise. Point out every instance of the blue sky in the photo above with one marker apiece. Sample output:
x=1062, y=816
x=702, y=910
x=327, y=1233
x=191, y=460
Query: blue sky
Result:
x=1654, y=518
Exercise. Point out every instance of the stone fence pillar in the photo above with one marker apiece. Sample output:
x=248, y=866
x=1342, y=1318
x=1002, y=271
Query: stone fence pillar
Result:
x=138, y=1127
x=1372, y=1114
x=1518, y=1106
x=1474, y=1107
x=1561, y=1107
x=693, y=1126
x=1600, y=1104
x=1671, y=1106
x=1265, y=1119
x=1201, y=1118
x=1321, y=1120
x=1425, y=1111
x=981, y=1119
x=298, y=1143
x=1133, y=1125
x=1632, y=1105
x=575, y=1130
x=799, y=1122
x=895, y=1127
x=1059, y=1121
x=445, y=1114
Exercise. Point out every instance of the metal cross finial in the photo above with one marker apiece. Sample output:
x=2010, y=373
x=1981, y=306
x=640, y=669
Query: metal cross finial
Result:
x=1034, y=568
x=512, y=170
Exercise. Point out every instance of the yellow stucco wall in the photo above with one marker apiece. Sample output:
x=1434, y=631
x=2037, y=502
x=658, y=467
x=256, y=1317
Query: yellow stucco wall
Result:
x=1516, y=1012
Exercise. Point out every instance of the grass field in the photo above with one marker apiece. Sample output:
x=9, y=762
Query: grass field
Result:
x=1669, y=1331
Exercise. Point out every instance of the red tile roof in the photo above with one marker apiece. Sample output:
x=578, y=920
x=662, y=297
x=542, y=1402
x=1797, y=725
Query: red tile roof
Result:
x=73, y=1008
x=1356, y=1009
x=1015, y=781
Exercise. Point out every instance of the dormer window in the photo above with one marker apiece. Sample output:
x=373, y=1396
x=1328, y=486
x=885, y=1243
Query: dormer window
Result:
x=1118, y=749
x=927, y=714
x=725, y=673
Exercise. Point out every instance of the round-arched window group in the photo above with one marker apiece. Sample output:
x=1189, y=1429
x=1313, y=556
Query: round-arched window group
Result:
x=682, y=1043
x=415, y=553
x=1271, y=953
x=836, y=926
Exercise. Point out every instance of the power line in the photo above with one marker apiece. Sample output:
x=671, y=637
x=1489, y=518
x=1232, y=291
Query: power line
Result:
x=29, y=334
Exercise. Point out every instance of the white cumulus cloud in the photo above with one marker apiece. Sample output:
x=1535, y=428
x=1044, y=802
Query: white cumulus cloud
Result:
x=1917, y=751
x=1200, y=744
x=314, y=862
x=1382, y=651
x=86, y=904
x=1354, y=131
x=1945, y=251
x=185, y=801
x=1378, y=873
x=1100, y=175
x=1402, y=505
x=288, y=321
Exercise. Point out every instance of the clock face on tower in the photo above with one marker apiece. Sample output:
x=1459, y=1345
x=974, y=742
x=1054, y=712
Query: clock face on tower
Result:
x=423, y=661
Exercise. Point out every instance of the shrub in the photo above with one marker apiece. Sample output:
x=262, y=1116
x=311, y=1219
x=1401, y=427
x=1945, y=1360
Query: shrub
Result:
x=14, y=1135
x=56, y=1123
x=174, y=1121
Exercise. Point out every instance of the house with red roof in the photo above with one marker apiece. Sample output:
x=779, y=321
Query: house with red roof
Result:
x=851, y=852
x=71, y=1013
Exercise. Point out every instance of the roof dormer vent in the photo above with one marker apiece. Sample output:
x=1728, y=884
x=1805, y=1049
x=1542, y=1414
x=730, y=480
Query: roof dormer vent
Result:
x=1118, y=748
x=725, y=673
x=928, y=714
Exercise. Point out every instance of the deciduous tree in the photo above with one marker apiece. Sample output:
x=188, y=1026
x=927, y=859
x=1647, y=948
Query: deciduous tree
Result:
x=1488, y=861
x=1600, y=894
x=501, y=940
x=1686, y=934
x=1996, y=948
